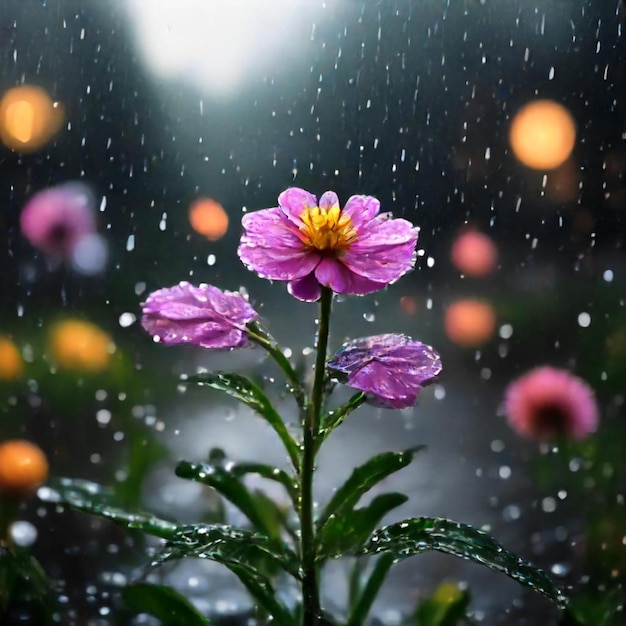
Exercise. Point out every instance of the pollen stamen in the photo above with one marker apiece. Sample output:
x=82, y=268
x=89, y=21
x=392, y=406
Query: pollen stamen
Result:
x=327, y=229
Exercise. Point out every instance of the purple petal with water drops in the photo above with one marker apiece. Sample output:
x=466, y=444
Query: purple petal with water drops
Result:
x=204, y=316
x=391, y=369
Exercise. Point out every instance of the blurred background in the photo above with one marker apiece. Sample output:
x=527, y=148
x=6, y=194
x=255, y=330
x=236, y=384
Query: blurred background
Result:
x=498, y=128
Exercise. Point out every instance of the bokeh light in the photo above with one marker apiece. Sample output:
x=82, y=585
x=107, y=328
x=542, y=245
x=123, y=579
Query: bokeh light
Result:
x=469, y=323
x=542, y=134
x=11, y=364
x=208, y=218
x=79, y=345
x=28, y=118
x=474, y=254
x=23, y=467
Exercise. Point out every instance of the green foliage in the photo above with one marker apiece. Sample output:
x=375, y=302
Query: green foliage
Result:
x=422, y=534
x=250, y=394
x=89, y=497
x=347, y=532
x=23, y=583
x=162, y=602
x=447, y=606
x=362, y=479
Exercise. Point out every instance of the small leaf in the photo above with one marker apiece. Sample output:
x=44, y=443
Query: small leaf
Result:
x=88, y=497
x=446, y=607
x=363, y=478
x=366, y=596
x=225, y=544
x=347, y=532
x=164, y=603
x=252, y=396
x=417, y=535
x=236, y=549
x=227, y=483
x=334, y=418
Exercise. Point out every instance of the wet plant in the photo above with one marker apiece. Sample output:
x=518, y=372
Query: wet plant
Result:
x=319, y=249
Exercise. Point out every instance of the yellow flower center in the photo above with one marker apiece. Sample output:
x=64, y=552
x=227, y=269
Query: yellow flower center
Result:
x=327, y=229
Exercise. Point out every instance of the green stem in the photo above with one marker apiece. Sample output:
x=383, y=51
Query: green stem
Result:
x=310, y=587
x=260, y=336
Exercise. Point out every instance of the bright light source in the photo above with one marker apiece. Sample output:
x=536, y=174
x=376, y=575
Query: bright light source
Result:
x=216, y=44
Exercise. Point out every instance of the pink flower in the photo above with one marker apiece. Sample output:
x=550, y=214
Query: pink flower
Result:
x=547, y=403
x=203, y=316
x=57, y=219
x=390, y=369
x=354, y=250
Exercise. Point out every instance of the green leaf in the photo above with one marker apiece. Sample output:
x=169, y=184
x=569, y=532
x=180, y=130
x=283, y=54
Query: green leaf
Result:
x=366, y=596
x=164, y=603
x=417, y=535
x=237, y=471
x=363, y=478
x=252, y=396
x=331, y=420
x=236, y=549
x=21, y=577
x=447, y=606
x=347, y=532
x=225, y=544
x=88, y=497
x=227, y=483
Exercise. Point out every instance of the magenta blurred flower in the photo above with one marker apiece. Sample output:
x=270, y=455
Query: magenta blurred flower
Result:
x=203, y=316
x=354, y=250
x=547, y=403
x=391, y=369
x=56, y=219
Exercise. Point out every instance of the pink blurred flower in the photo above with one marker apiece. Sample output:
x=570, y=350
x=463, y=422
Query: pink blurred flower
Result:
x=390, y=369
x=203, y=316
x=547, y=403
x=56, y=220
x=354, y=250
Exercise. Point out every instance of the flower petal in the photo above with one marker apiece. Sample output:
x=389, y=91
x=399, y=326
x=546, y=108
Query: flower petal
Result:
x=341, y=279
x=328, y=200
x=271, y=248
x=294, y=201
x=361, y=209
x=306, y=289
x=385, y=252
x=203, y=316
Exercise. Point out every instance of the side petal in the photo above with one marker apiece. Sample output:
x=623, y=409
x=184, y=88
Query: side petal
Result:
x=341, y=279
x=385, y=253
x=361, y=209
x=328, y=200
x=294, y=201
x=306, y=289
x=390, y=390
x=270, y=247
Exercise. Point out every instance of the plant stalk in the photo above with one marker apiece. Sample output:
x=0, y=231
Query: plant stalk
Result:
x=310, y=587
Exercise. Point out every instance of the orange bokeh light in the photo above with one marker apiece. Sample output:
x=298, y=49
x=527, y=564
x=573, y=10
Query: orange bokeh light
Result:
x=469, y=323
x=23, y=467
x=474, y=254
x=11, y=364
x=28, y=118
x=208, y=218
x=79, y=345
x=542, y=134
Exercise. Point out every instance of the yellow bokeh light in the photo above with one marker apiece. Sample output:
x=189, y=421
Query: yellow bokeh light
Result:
x=11, y=364
x=542, y=134
x=208, y=218
x=28, y=118
x=79, y=345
